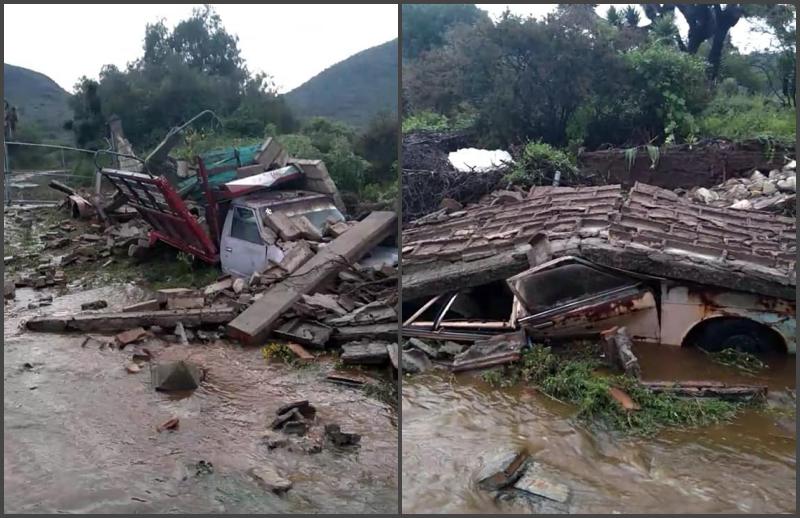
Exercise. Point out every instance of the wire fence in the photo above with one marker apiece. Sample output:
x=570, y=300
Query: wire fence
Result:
x=30, y=167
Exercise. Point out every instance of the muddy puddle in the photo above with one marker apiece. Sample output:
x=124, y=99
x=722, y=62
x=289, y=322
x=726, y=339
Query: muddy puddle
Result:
x=452, y=426
x=80, y=432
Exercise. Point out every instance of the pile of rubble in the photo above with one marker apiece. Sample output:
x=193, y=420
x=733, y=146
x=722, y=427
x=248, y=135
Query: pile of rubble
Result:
x=773, y=192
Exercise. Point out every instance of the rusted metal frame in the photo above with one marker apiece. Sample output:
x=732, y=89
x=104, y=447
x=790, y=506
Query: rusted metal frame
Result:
x=212, y=212
x=422, y=310
x=456, y=336
x=600, y=297
x=177, y=204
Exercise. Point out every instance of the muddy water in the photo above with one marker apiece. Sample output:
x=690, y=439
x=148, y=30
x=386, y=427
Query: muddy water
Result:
x=79, y=431
x=453, y=426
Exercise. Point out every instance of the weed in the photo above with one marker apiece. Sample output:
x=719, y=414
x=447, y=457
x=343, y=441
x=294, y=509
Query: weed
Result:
x=737, y=359
x=384, y=391
x=278, y=352
x=577, y=381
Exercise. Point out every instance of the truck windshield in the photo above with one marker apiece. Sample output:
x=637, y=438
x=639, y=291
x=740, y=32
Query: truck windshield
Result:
x=244, y=226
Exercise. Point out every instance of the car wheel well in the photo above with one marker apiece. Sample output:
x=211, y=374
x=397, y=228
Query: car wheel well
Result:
x=742, y=333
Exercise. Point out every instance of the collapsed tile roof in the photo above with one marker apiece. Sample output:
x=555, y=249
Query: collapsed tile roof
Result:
x=648, y=230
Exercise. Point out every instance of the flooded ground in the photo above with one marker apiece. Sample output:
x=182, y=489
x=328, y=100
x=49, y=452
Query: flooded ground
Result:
x=80, y=432
x=453, y=425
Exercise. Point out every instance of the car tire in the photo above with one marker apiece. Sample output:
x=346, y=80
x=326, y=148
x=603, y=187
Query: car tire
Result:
x=740, y=334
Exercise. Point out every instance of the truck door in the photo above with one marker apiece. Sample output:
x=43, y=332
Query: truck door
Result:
x=243, y=250
x=571, y=297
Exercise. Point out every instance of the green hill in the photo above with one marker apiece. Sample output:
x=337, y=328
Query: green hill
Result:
x=353, y=90
x=41, y=103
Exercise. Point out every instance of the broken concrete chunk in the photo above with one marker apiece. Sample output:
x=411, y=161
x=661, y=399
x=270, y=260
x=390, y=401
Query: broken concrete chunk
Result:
x=365, y=353
x=325, y=302
x=213, y=289
x=170, y=424
x=300, y=352
x=372, y=313
x=503, y=470
x=132, y=367
x=132, y=335
x=537, y=482
x=179, y=375
x=295, y=255
x=97, y=304
x=295, y=428
x=496, y=350
x=338, y=228
x=181, y=298
x=238, y=285
x=269, y=478
x=271, y=154
x=180, y=332
x=337, y=437
x=306, y=409
x=274, y=440
x=285, y=227
x=257, y=321
x=312, y=334
x=292, y=415
x=415, y=361
x=307, y=229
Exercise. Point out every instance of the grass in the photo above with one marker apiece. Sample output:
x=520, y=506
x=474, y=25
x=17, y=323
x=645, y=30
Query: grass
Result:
x=577, y=381
x=384, y=391
x=279, y=352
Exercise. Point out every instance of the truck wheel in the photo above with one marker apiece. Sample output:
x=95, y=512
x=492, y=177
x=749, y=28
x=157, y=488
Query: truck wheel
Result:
x=740, y=334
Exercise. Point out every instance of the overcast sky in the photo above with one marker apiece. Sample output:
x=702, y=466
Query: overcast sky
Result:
x=290, y=42
x=741, y=35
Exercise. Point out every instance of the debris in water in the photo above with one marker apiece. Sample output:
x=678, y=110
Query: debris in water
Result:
x=97, y=304
x=503, y=470
x=179, y=375
x=170, y=424
x=536, y=482
x=336, y=436
x=271, y=480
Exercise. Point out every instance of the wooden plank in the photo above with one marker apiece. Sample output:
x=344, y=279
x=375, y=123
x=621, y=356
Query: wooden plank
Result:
x=257, y=321
x=110, y=322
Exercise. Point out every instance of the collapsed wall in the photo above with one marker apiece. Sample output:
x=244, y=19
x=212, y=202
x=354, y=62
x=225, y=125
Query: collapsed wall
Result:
x=704, y=164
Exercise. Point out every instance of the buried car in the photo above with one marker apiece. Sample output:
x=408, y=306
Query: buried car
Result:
x=574, y=261
x=570, y=297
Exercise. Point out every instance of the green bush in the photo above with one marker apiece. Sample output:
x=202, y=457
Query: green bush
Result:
x=538, y=165
x=426, y=120
x=739, y=117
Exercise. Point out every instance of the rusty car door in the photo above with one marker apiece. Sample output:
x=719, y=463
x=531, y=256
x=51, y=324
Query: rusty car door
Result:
x=570, y=297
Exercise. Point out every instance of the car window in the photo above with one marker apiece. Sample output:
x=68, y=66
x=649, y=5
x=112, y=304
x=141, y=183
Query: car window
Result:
x=244, y=226
x=545, y=289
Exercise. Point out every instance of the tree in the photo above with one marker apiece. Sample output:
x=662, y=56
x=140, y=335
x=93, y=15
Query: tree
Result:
x=425, y=25
x=613, y=17
x=707, y=22
x=631, y=16
x=194, y=67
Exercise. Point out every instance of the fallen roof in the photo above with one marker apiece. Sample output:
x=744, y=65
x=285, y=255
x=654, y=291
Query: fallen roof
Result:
x=653, y=232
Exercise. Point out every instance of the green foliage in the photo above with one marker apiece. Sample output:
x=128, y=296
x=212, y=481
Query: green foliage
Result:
x=426, y=120
x=538, y=165
x=577, y=381
x=378, y=145
x=41, y=103
x=194, y=67
x=279, y=352
x=671, y=89
x=738, y=360
x=347, y=169
x=613, y=16
x=740, y=117
x=631, y=16
x=425, y=25
x=384, y=391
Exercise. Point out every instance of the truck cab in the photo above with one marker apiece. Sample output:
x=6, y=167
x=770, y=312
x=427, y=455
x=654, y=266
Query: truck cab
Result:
x=247, y=245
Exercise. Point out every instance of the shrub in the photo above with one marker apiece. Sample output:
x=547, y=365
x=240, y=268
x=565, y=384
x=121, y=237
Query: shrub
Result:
x=739, y=117
x=539, y=164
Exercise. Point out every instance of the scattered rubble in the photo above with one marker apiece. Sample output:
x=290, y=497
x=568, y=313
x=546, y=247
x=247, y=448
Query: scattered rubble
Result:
x=170, y=424
x=271, y=480
x=774, y=192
